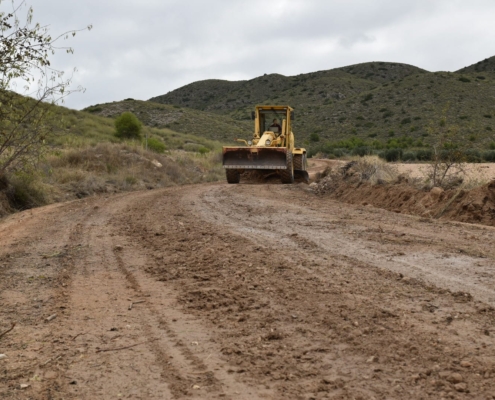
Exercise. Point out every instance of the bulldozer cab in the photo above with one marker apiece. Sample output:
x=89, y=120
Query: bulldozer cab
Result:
x=274, y=119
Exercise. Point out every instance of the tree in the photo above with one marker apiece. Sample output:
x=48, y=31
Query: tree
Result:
x=128, y=126
x=26, y=121
x=449, y=152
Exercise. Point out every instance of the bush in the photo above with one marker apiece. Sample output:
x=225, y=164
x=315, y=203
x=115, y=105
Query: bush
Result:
x=424, y=155
x=128, y=126
x=464, y=79
x=203, y=150
x=367, y=97
x=391, y=154
x=489, y=156
x=156, y=145
x=473, y=156
x=28, y=191
x=361, y=151
x=409, y=156
x=93, y=109
x=314, y=137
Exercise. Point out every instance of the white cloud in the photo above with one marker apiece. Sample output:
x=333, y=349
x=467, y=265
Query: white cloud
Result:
x=144, y=48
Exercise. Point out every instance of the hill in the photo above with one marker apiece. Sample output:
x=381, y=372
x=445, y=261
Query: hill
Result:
x=487, y=65
x=323, y=87
x=370, y=101
x=180, y=119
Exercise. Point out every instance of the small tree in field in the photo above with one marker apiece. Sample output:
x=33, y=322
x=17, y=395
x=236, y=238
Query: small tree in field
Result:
x=25, y=121
x=449, y=153
x=128, y=126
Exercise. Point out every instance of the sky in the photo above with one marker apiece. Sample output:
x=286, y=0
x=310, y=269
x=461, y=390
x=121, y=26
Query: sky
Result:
x=144, y=48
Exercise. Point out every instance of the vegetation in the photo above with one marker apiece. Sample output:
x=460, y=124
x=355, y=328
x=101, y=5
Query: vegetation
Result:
x=127, y=126
x=83, y=156
x=188, y=121
x=362, y=101
x=25, y=122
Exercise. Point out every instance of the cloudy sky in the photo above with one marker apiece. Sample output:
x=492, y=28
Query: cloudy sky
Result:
x=144, y=48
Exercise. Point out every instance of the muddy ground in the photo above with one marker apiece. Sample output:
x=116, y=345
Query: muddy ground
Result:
x=243, y=292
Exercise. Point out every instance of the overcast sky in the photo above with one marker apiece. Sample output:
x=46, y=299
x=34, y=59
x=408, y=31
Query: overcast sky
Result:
x=145, y=48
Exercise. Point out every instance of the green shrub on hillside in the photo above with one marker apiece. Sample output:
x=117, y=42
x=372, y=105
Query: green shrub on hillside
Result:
x=314, y=137
x=128, y=126
x=489, y=156
x=409, y=156
x=391, y=154
x=156, y=145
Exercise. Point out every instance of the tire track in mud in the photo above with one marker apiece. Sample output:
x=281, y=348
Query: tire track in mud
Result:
x=202, y=369
x=327, y=234
x=116, y=260
x=342, y=277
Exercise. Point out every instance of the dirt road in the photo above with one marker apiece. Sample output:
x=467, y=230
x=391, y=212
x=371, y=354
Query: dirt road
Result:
x=243, y=292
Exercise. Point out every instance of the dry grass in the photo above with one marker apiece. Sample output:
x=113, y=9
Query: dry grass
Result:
x=109, y=168
x=374, y=170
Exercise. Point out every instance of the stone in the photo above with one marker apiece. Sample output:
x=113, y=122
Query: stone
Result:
x=436, y=191
x=50, y=375
x=466, y=364
x=460, y=387
x=3, y=356
x=455, y=378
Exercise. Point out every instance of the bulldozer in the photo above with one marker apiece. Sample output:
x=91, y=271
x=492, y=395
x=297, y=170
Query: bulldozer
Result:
x=271, y=150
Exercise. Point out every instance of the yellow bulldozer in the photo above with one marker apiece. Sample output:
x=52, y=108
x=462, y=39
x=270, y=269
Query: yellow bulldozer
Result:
x=271, y=149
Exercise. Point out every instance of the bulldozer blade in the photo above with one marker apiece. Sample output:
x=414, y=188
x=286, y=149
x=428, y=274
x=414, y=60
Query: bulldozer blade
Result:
x=303, y=175
x=254, y=158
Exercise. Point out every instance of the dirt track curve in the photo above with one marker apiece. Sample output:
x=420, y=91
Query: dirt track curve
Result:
x=243, y=292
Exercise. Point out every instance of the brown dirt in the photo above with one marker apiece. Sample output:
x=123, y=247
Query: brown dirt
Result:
x=474, y=206
x=243, y=292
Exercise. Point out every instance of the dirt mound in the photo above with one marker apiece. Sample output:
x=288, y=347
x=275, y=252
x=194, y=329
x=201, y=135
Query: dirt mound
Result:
x=474, y=206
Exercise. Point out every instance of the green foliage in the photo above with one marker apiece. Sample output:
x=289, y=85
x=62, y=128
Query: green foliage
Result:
x=128, y=126
x=464, y=79
x=314, y=137
x=391, y=155
x=26, y=123
x=94, y=109
x=489, y=156
x=28, y=190
x=409, y=156
x=473, y=156
x=367, y=97
x=156, y=145
x=424, y=155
